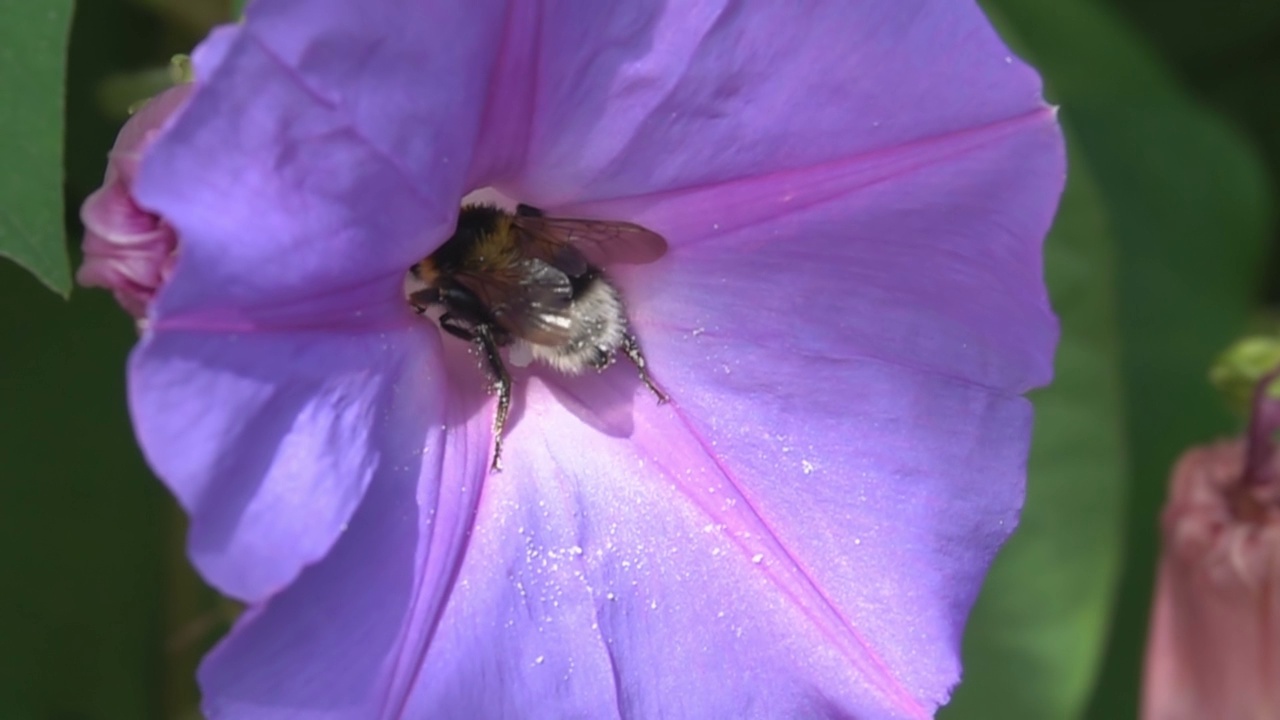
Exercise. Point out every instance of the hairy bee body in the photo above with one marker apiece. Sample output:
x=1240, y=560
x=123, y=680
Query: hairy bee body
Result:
x=599, y=324
x=523, y=278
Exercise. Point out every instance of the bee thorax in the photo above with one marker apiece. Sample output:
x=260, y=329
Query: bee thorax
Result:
x=532, y=286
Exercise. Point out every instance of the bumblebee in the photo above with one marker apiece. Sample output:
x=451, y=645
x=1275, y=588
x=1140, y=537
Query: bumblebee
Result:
x=523, y=278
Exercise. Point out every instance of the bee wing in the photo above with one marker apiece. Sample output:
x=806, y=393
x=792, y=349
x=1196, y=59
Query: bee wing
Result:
x=530, y=299
x=597, y=242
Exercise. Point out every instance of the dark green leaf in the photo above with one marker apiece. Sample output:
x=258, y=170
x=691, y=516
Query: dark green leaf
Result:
x=1179, y=200
x=81, y=519
x=33, y=44
x=1186, y=198
x=1199, y=30
x=103, y=617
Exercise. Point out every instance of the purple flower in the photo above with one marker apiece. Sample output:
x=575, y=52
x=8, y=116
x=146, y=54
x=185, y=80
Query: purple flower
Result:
x=854, y=196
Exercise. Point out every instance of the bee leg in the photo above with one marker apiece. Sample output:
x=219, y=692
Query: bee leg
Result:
x=422, y=300
x=502, y=383
x=631, y=346
x=457, y=328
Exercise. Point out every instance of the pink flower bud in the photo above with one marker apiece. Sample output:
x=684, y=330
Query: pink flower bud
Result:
x=128, y=249
x=1214, y=646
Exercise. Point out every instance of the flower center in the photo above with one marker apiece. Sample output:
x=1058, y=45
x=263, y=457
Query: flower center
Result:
x=536, y=284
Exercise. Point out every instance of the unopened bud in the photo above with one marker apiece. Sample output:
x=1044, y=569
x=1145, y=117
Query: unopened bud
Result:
x=128, y=249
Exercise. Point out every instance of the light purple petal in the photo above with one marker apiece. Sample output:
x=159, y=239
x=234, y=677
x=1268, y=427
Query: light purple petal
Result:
x=926, y=256
x=343, y=640
x=141, y=130
x=800, y=534
x=629, y=577
x=640, y=97
x=288, y=214
x=803, y=532
x=283, y=332
x=412, y=77
x=641, y=577
x=854, y=196
x=269, y=439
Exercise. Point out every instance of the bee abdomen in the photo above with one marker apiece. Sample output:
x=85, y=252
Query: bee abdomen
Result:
x=599, y=325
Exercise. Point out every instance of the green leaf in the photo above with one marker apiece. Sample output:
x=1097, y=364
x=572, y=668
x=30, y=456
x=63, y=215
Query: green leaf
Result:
x=33, y=44
x=1186, y=197
x=103, y=616
x=1037, y=631
x=1159, y=232
x=81, y=519
x=1200, y=32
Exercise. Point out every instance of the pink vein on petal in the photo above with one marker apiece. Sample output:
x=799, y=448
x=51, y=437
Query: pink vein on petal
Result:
x=806, y=186
x=424, y=624
x=496, y=90
x=867, y=356
x=823, y=613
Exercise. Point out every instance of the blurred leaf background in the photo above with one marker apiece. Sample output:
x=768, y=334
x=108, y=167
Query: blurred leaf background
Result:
x=1164, y=250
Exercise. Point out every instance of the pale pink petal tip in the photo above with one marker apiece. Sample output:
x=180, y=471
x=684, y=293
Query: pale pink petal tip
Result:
x=128, y=249
x=1214, y=646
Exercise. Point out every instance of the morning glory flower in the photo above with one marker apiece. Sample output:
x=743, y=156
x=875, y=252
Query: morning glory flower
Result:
x=854, y=196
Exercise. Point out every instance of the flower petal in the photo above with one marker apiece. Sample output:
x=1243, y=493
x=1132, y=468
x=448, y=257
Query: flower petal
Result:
x=638, y=558
x=800, y=534
x=127, y=249
x=269, y=440
x=659, y=575
x=927, y=256
x=411, y=76
x=804, y=532
x=258, y=394
x=289, y=215
x=343, y=640
x=142, y=128
x=846, y=346
x=642, y=97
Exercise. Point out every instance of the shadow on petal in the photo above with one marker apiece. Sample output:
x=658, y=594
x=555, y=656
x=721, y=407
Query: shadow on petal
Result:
x=342, y=638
